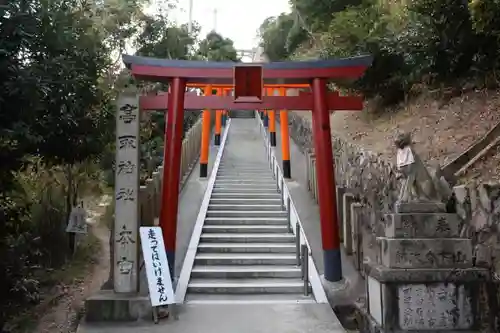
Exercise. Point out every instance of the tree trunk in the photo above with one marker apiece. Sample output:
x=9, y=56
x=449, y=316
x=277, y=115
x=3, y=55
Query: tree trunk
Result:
x=69, y=206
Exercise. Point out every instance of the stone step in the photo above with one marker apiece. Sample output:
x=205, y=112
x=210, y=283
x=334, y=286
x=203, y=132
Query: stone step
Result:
x=259, y=168
x=264, y=171
x=254, y=229
x=247, y=238
x=267, y=298
x=245, y=213
x=247, y=191
x=246, y=286
x=241, y=181
x=234, y=207
x=246, y=221
x=245, y=201
x=263, y=178
x=245, y=259
x=246, y=248
x=242, y=114
x=237, y=162
x=265, y=184
x=246, y=272
x=245, y=195
x=258, y=161
x=244, y=187
x=245, y=174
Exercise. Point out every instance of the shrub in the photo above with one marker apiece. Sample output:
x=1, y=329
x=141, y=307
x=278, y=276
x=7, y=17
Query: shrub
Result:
x=34, y=218
x=430, y=42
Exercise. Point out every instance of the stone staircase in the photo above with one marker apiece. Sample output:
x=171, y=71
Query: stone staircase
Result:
x=242, y=114
x=246, y=253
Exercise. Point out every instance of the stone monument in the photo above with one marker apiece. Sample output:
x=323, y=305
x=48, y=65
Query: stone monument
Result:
x=423, y=278
x=120, y=299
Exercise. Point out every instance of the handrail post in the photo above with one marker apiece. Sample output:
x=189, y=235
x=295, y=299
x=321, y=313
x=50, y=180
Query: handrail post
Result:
x=277, y=177
x=297, y=242
x=289, y=213
x=305, y=268
x=269, y=148
x=283, y=192
x=270, y=158
x=268, y=151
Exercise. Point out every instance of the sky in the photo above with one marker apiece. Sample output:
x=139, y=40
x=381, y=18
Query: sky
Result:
x=236, y=19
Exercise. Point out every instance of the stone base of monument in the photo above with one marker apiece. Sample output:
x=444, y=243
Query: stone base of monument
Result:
x=423, y=279
x=106, y=305
x=424, y=299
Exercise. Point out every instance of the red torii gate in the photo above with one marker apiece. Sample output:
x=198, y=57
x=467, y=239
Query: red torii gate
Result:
x=248, y=80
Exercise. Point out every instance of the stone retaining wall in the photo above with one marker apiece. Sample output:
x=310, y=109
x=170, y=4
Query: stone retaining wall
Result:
x=367, y=187
x=372, y=181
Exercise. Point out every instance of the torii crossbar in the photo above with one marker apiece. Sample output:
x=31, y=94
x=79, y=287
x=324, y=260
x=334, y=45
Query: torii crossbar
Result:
x=248, y=81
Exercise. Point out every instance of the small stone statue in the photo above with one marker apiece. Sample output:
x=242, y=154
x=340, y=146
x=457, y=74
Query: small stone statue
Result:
x=418, y=185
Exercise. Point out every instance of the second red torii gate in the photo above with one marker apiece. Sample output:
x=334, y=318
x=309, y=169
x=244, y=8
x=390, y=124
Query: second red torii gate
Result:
x=248, y=81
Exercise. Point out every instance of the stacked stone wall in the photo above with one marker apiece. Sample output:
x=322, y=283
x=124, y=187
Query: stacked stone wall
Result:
x=373, y=183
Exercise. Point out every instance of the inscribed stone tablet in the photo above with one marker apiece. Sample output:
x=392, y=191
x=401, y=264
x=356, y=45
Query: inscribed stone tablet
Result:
x=434, y=307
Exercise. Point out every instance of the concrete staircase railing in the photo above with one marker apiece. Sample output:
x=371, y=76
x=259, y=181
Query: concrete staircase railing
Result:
x=244, y=247
x=293, y=219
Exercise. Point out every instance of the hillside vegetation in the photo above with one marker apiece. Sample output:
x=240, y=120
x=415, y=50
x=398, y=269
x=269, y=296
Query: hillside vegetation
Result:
x=440, y=132
x=434, y=71
x=60, y=72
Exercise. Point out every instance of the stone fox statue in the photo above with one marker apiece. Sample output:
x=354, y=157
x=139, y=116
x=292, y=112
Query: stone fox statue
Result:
x=418, y=185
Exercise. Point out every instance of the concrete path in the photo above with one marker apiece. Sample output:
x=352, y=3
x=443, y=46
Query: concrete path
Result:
x=262, y=318
x=244, y=144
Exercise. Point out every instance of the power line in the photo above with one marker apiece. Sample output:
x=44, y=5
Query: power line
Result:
x=215, y=19
x=190, y=21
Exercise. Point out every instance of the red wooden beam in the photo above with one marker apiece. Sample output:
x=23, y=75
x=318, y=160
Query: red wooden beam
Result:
x=225, y=75
x=304, y=102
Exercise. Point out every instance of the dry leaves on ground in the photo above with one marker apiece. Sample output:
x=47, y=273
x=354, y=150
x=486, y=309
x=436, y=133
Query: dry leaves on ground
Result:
x=441, y=133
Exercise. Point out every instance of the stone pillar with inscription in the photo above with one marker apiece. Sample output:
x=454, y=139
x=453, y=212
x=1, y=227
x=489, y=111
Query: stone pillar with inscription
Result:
x=120, y=299
x=126, y=224
x=424, y=277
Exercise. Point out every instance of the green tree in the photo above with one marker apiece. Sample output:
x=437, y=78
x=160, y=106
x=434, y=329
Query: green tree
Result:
x=160, y=39
x=217, y=48
x=55, y=107
x=317, y=14
x=274, y=32
x=486, y=22
x=447, y=35
x=74, y=125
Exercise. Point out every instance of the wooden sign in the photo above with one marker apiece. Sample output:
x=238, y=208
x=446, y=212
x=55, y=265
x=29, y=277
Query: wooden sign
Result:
x=77, y=222
x=161, y=291
x=248, y=84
